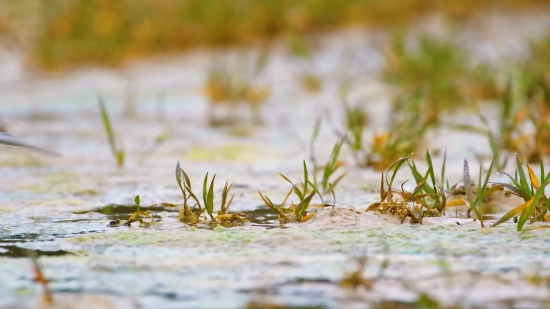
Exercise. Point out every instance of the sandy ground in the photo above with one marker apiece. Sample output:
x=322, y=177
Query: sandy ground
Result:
x=172, y=265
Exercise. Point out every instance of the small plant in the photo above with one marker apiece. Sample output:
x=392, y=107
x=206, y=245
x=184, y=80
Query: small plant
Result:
x=531, y=190
x=224, y=218
x=139, y=215
x=414, y=205
x=297, y=212
x=119, y=154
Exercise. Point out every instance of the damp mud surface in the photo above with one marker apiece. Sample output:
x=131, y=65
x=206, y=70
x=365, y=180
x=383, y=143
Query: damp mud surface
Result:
x=61, y=208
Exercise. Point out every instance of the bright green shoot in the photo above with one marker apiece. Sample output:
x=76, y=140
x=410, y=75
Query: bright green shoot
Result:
x=118, y=153
x=138, y=203
x=332, y=166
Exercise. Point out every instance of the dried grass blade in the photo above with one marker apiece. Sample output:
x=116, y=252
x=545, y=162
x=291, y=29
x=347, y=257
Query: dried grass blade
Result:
x=534, y=180
x=514, y=212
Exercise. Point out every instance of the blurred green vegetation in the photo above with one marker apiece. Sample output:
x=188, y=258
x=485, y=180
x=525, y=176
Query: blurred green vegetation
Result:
x=59, y=33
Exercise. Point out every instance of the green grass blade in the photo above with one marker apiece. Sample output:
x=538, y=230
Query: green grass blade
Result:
x=210, y=198
x=204, y=192
x=306, y=177
x=296, y=189
x=418, y=178
x=337, y=180
x=443, y=169
x=331, y=167
x=224, y=197
x=395, y=166
x=312, y=184
x=526, y=213
x=333, y=195
x=430, y=165
x=479, y=199
x=118, y=154
x=541, y=169
x=302, y=207
x=523, y=178
x=138, y=203
x=316, y=130
x=517, y=186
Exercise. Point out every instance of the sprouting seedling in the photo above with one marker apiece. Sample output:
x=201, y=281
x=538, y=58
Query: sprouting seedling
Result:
x=536, y=204
x=297, y=212
x=314, y=136
x=138, y=215
x=302, y=195
x=138, y=203
x=119, y=154
x=208, y=195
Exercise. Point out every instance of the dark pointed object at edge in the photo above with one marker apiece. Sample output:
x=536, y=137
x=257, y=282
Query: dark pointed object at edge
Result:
x=6, y=139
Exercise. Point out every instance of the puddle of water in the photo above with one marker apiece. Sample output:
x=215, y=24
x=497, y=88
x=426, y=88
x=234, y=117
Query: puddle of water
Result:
x=259, y=216
x=13, y=251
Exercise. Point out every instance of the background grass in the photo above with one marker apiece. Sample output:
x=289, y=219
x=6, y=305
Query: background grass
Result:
x=58, y=33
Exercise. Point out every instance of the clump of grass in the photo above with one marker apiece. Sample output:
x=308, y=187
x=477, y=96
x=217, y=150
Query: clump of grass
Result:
x=531, y=190
x=237, y=86
x=428, y=199
x=187, y=215
x=425, y=201
x=119, y=154
x=298, y=212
